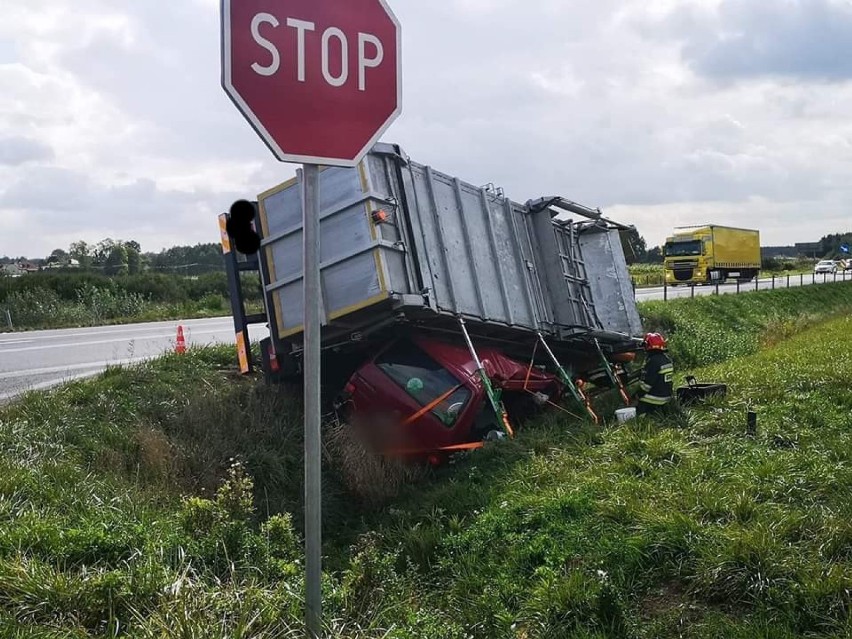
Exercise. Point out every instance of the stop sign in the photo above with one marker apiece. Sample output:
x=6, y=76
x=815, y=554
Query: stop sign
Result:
x=319, y=80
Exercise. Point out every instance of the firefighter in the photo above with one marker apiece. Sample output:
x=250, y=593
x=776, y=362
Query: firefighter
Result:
x=655, y=388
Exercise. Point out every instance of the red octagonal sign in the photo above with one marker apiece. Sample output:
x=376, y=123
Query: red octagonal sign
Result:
x=319, y=80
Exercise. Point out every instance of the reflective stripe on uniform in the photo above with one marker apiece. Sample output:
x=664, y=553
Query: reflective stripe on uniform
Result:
x=667, y=368
x=654, y=400
x=645, y=387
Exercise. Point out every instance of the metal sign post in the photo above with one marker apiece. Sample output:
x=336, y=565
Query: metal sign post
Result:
x=320, y=81
x=311, y=359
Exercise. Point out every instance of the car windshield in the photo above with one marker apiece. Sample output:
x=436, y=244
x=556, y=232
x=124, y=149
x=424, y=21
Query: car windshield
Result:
x=424, y=379
x=826, y=263
x=683, y=249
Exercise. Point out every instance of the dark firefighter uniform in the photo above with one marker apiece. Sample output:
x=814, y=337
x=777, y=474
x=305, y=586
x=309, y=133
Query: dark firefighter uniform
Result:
x=656, y=391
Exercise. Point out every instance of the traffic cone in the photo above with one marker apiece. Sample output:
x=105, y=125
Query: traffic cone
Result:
x=180, y=343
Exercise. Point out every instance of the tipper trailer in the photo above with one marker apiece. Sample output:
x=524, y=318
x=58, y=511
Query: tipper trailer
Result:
x=443, y=302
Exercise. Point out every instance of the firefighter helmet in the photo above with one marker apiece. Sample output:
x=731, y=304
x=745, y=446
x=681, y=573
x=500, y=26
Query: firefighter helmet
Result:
x=655, y=342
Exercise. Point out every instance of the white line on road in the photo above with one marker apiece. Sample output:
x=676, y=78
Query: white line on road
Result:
x=116, y=329
x=123, y=340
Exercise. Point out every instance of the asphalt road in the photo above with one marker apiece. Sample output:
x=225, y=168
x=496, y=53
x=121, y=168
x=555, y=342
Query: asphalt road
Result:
x=39, y=359
x=657, y=293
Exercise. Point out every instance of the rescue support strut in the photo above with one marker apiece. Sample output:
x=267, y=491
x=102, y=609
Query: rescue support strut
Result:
x=494, y=396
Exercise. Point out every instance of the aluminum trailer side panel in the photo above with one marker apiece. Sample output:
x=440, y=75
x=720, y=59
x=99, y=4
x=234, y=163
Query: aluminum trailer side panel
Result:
x=402, y=241
x=353, y=252
x=609, y=279
x=471, y=254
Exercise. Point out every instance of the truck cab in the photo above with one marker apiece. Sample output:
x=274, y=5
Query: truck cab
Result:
x=420, y=395
x=688, y=258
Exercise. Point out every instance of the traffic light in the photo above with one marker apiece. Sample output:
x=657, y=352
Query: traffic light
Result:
x=240, y=227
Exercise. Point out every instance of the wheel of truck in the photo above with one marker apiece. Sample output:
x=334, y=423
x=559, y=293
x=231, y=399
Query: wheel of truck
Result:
x=746, y=277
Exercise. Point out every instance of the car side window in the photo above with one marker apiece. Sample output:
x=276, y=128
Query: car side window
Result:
x=424, y=380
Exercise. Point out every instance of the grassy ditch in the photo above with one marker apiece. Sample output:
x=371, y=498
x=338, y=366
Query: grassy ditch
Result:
x=706, y=330
x=165, y=513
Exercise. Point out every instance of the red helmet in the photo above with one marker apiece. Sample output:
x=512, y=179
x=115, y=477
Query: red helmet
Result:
x=655, y=342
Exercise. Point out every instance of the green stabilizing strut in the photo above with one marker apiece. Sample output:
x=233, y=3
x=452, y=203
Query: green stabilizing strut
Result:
x=564, y=377
x=607, y=367
x=613, y=378
x=494, y=396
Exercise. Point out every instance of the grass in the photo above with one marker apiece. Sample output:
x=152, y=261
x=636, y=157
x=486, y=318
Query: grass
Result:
x=706, y=330
x=650, y=275
x=175, y=511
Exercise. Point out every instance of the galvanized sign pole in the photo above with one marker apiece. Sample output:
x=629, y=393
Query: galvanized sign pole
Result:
x=293, y=68
x=311, y=359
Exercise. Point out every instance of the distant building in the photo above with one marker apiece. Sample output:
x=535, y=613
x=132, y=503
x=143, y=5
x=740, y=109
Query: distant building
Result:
x=779, y=252
x=19, y=268
x=809, y=249
x=65, y=262
x=11, y=270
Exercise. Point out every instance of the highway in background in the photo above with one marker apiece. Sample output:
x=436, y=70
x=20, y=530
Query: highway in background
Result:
x=764, y=284
x=40, y=359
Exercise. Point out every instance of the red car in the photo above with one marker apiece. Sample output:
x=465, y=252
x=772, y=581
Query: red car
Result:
x=421, y=397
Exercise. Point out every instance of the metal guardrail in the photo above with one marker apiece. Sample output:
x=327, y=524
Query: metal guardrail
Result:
x=758, y=284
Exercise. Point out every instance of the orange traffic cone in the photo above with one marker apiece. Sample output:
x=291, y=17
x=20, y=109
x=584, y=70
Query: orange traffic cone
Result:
x=180, y=343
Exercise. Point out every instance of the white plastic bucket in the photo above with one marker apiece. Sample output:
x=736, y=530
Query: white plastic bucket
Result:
x=625, y=414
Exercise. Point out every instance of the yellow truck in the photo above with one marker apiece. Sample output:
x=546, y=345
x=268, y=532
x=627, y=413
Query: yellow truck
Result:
x=712, y=254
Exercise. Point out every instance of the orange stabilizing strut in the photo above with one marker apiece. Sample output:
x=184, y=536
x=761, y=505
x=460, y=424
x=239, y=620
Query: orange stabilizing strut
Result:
x=613, y=377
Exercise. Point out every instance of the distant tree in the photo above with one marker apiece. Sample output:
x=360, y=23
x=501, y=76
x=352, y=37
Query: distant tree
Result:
x=102, y=251
x=134, y=258
x=830, y=244
x=81, y=252
x=117, y=261
x=655, y=255
x=634, y=245
x=58, y=255
x=188, y=260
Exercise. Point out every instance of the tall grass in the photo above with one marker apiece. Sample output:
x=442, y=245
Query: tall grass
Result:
x=165, y=501
x=707, y=330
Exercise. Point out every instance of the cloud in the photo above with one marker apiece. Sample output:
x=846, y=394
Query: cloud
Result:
x=623, y=104
x=799, y=39
x=16, y=150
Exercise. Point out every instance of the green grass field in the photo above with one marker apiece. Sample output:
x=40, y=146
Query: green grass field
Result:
x=164, y=501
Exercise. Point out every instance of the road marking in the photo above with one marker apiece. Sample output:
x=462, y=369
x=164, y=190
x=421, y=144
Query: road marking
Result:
x=16, y=341
x=122, y=340
x=227, y=324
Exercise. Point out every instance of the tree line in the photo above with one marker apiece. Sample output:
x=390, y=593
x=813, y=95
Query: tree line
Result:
x=125, y=257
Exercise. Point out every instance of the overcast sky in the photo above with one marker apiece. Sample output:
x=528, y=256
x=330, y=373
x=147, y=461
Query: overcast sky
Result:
x=662, y=112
